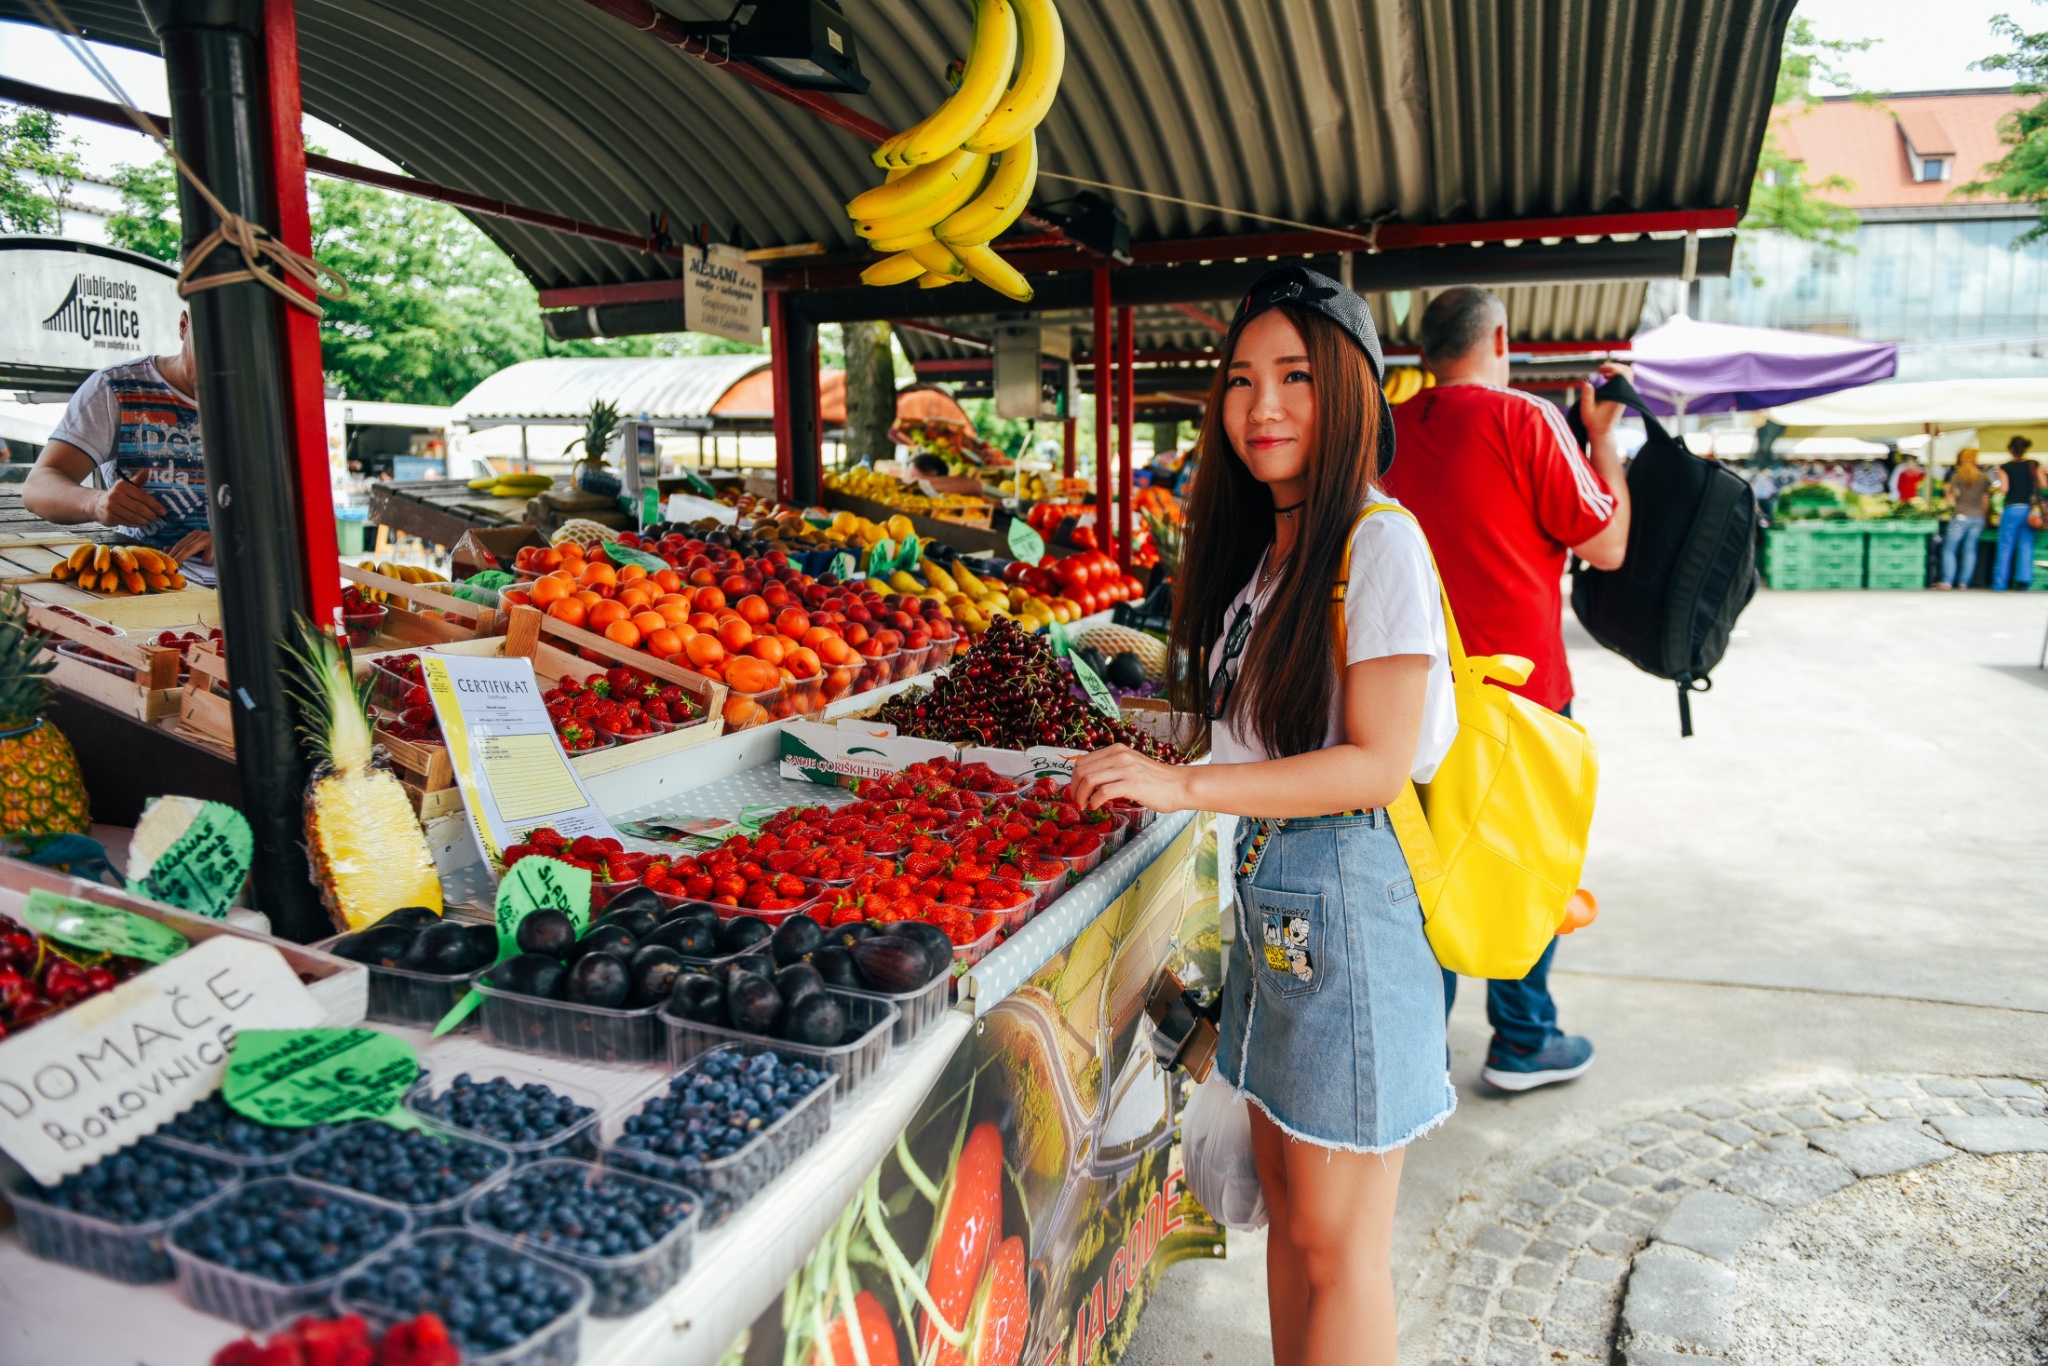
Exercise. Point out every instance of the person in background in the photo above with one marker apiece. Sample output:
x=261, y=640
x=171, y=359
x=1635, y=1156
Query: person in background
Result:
x=2020, y=482
x=1906, y=479
x=1503, y=492
x=137, y=424
x=1969, y=501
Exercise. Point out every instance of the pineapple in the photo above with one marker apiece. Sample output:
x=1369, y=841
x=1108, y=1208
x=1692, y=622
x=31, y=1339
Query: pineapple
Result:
x=41, y=792
x=593, y=473
x=369, y=854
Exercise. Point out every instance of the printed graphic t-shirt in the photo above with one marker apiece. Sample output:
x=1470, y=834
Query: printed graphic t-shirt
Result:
x=137, y=427
x=1502, y=490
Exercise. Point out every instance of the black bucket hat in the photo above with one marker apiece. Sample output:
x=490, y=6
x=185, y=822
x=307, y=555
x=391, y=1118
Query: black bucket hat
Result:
x=1311, y=289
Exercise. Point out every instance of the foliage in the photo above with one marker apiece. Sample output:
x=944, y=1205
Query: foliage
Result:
x=36, y=170
x=148, y=221
x=435, y=306
x=2022, y=173
x=1782, y=200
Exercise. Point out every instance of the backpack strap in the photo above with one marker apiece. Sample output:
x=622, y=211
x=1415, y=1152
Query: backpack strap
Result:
x=1513, y=669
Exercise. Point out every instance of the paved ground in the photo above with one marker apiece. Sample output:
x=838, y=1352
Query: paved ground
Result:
x=1839, y=877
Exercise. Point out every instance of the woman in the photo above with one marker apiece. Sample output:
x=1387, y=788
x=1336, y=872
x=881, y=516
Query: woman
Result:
x=1969, y=498
x=1333, y=1002
x=2020, y=482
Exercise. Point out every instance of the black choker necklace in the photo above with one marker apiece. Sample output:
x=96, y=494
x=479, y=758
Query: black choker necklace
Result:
x=1289, y=511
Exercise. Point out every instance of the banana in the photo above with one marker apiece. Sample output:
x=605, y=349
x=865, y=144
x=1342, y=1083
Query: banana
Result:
x=899, y=269
x=931, y=281
x=81, y=558
x=1041, y=60
x=157, y=583
x=985, y=217
x=939, y=260
x=177, y=582
x=992, y=270
x=892, y=245
x=62, y=571
x=482, y=482
x=88, y=580
x=929, y=215
x=133, y=582
x=102, y=559
x=124, y=560
x=906, y=195
x=989, y=59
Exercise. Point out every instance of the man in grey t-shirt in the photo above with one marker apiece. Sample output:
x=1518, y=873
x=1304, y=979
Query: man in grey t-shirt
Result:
x=137, y=424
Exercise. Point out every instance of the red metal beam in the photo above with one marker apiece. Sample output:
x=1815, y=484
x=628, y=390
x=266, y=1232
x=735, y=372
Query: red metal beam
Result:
x=645, y=17
x=305, y=396
x=1102, y=409
x=1126, y=402
x=1067, y=446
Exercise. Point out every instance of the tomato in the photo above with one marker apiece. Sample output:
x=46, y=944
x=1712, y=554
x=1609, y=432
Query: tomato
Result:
x=1083, y=536
x=963, y=1236
x=1015, y=570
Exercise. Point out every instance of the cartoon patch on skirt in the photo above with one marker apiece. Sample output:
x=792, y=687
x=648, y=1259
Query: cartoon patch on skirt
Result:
x=1287, y=946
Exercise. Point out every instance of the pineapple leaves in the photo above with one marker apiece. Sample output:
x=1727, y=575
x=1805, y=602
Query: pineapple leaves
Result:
x=24, y=671
x=598, y=426
x=334, y=715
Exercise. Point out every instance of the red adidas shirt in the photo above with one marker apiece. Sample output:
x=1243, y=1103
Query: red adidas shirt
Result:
x=1502, y=490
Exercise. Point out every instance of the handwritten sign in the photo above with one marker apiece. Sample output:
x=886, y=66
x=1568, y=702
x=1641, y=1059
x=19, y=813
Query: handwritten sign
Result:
x=881, y=558
x=532, y=884
x=1025, y=542
x=96, y=1077
x=1062, y=645
x=294, y=1078
x=205, y=867
x=625, y=554
x=1098, y=691
x=103, y=929
x=842, y=565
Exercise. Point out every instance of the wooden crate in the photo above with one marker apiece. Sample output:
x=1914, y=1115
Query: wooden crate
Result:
x=406, y=604
x=523, y=637
x=189, y=609
x=203, y=704
x=150, y=695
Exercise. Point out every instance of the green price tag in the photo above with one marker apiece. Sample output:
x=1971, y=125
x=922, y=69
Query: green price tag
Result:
x=1025, y=542
x=625, y=554
x=532, y=884
x=752, y=818
x=842, y=566
x=205, y=867
x=909, y=553
x=102, y=929
x=881, y=557
x=1098, y=691
x=293, y=1078
x=1062, y=644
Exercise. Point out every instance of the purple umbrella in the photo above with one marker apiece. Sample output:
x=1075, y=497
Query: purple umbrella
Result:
x=1686, y=366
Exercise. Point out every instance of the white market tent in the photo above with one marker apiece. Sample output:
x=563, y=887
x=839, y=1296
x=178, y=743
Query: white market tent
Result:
x=1995, y=408
x=667, y=391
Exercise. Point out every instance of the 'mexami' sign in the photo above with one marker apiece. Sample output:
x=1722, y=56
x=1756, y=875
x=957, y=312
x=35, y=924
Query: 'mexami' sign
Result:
x=78, y=306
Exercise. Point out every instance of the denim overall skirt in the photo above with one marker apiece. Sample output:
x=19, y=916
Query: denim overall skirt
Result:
x=1333, y=1003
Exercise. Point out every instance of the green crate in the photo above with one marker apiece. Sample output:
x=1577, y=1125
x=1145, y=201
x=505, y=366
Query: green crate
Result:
x=1897, y=556
x=1785, y=578
x=1895, y=579
x=1902, y=526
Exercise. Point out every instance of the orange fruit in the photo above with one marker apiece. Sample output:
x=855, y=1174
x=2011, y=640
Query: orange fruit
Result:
x=704, y=621
x=740, y=713
x=547, y=590
x=568, y=610
x=835, y=651
x=816, y=636
x=667, y=580
x=623, y=633
x=589, y=597
x=735, y=634
x=704, y=650
x=649, y=622
x=768, y=649
x=703, y=578
x=515, y=597
x=672, y=613
x=597, y=572
x=547, y=559
x=636, y=598
x=663, y=642
x=802, y=662
x=605, y=613
x=631, y=573
x=754, y=608
x=793, y=623
x=709, y=599
x=751, y=675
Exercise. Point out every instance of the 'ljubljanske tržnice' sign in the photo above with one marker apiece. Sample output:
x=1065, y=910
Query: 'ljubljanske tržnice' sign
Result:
x=74, y=306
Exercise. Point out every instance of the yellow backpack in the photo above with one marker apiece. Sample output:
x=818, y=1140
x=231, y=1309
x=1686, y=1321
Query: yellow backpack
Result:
x=1497, y=838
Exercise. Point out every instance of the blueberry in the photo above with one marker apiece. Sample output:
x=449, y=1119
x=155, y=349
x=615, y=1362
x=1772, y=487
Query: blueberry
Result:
x=287, y=1232
x=408, y=1166
x=712, y=1111
x=490, y=1297
x=505, y=1111
x=138, y=1185
x=212, y=1124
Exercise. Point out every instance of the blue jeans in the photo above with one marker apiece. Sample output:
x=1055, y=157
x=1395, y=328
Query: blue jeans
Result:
x=1960, y=534
x=2015, y=541
x=1521, y=1013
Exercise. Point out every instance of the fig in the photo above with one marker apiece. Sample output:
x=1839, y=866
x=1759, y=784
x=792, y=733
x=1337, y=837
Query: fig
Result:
x=930, y=938
x=380, y=945
x=847, y=935
x=412, y=917
x=700, y=997
x=637, y=921
x=652, y=975
x=835, y=965
x=634, y=899
x=752, y=1003
x=443, y=948
x=611, y=939
x=797, y=981
x=530, y=974
x=547, y=932
x=742, y=932
x=796, y=939
x=816, y=1020
x=599, y=979
x=760, y=964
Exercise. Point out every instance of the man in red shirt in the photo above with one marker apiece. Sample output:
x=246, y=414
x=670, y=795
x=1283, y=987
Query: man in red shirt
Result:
x=1503, y=491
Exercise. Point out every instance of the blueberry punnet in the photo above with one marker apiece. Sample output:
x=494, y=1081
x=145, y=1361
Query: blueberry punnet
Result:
x=286, y=1232
x=212, y=1124
x=490, y=1297
x=402, y=1165
x=138, y=1185
x=504, y=1110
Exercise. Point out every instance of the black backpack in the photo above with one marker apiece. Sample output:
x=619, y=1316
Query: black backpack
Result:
x=1691, y=564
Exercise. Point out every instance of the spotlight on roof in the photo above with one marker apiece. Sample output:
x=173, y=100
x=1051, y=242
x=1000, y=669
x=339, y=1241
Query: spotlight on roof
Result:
x=1093, y=222
x=803, y=43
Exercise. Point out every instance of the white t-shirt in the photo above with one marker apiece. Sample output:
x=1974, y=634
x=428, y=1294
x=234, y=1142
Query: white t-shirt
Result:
x=1391, y=607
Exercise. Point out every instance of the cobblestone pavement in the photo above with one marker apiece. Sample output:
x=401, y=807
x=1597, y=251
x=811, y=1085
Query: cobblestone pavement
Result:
x=1541, y=1277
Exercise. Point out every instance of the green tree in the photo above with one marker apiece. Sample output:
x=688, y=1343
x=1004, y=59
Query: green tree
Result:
x=148, y=221
x=1782, y=200
x=37, y=169
x=2022, y=173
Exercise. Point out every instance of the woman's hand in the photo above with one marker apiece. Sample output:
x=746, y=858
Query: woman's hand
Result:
x=1121, y=771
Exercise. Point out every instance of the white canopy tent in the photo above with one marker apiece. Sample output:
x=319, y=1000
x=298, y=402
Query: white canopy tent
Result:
x=1996, y=408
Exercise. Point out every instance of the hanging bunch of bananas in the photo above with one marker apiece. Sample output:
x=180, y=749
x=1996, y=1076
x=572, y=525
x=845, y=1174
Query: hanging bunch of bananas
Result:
x=1405, y=382
x=942, y=204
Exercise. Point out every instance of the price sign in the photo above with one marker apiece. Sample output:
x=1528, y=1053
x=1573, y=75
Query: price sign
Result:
x=1025, y=542
x=102, y=929
x=625, y=554
x=1098, y=691
x=842, y=566
x=294, y=1078
x=1062, y=645
x=205, y=867
x=532, y=884
x=909, y=553
x=881, y=558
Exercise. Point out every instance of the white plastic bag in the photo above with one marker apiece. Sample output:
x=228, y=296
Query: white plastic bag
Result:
x=1216, y=1151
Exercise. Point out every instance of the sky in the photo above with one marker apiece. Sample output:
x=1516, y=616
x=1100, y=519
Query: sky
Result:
x=1922, y=44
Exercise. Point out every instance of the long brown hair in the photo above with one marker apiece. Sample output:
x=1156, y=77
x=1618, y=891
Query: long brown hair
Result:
x=1286, y=676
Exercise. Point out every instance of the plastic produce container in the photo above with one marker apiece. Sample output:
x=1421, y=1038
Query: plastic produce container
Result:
x=1081, y=865
x=578, y=1140
x=727, y=1182
x=876, y=670
x=132, y=1253
x=85, y=654
x=251, y=1168
x=307, y=1166
x=256, y=1301
x=564, y=1030
x=556, y=1343
x=746, y=710
x=619, y=1285
x=361, y=627
x=850, y=1061
x=387, y=685
x=916, y=1010
x=966, y=956
x=405, y=997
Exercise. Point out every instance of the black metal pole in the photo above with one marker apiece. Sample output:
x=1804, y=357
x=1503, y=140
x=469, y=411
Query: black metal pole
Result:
x=805, y=424
x=213, y=61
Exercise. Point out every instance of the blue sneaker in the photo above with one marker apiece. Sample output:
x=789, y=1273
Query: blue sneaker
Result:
x=1565, y=1057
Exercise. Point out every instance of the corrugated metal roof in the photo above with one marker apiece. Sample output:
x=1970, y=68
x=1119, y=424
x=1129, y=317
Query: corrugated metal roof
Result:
x=562, y=388
x=1331, y=112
